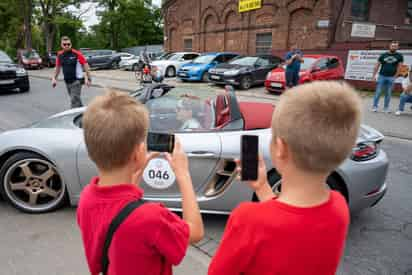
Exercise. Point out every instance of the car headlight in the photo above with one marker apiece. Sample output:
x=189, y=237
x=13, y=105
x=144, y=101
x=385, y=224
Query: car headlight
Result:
x=232, y=72
x=268, y=75
x=21, y=72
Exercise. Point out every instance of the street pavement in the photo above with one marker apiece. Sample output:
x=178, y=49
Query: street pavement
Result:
x=379, y=240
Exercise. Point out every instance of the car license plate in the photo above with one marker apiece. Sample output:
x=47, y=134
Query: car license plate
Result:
x=276, y=85
x=215, y=77
x=6, y=81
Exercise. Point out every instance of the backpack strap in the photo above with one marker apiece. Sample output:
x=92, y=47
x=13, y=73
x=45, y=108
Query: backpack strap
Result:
x=116, y=222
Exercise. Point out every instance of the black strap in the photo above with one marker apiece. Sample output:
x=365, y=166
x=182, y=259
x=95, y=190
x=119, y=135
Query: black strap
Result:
x=116, y=222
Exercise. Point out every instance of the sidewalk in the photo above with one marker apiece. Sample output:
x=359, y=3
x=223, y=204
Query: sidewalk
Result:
x=388, y=124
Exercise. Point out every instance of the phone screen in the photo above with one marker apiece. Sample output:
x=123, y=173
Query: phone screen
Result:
x=160, y=142
x=249, y=157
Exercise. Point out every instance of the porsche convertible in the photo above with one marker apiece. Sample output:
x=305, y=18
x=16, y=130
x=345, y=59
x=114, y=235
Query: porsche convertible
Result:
x=45, y=165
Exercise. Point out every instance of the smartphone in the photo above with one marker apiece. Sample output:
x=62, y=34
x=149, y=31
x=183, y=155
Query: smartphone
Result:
x=160, y=142
x=249, y=157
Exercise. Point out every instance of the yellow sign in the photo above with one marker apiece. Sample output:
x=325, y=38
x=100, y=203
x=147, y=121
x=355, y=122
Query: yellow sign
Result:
x=248, y=5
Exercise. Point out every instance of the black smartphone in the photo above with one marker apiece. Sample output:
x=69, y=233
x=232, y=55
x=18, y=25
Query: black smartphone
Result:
x=249, y=157
x=160, y=142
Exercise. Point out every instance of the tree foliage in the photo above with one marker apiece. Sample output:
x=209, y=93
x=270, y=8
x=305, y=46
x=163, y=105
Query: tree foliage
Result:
x=123, y=23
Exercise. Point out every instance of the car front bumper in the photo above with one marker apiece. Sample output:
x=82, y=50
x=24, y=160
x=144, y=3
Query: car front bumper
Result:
x=18, y=82
x=365, y=181
x=190, y=75
x=224, y=79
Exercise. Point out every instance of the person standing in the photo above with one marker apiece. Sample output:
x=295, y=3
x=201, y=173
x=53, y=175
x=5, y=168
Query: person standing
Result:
x=73, y=63
x=293, y=60
x=389, y=63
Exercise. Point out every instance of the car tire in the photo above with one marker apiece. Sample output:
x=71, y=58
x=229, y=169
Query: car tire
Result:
x=246, y=82
x=24, y=89
x=205, y=77
x=114, y=65
x=38, y=187
x=170, y=71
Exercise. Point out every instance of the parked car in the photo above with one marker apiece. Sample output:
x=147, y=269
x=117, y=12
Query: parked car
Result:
x=39, y=173
x=198, y=69
x=314, y=67
x=244, y=71
x=29, y=59
x=172, y=63
x=126, y=56
x=12, y=76
x=102, y=59
x=49, y=59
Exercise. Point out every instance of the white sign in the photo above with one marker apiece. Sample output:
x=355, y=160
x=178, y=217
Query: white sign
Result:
x=158, y=174
x=361, y=64
x=323, y=23
x=363, y=30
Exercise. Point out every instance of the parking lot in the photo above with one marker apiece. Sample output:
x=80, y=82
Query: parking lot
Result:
x=379, y=241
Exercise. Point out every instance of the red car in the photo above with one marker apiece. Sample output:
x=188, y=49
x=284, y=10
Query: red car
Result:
x=314, y=67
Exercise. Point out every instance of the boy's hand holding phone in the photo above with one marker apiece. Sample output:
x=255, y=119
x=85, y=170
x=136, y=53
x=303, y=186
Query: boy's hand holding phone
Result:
x=178, y=161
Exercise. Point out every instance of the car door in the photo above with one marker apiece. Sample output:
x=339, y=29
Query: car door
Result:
x=262, y=67
x=202, y=149
x=320, y=71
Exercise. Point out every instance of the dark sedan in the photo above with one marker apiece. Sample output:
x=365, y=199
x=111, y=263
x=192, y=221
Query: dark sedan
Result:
x=12, y=76
x=102, y=59
x=245, y=71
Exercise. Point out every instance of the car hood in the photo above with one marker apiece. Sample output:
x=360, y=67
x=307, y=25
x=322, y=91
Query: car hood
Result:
x=278, y=74
x=8, y=66
x=195, y=66
x=229, y=67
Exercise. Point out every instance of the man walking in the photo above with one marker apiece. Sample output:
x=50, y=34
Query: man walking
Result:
x=389, y=63
x=293, y=59
x=73, y=63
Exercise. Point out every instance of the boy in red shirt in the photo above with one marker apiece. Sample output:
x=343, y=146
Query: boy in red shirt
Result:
x=152, y=238
x=302, y=230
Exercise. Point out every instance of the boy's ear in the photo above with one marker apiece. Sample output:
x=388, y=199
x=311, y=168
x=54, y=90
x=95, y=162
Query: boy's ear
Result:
x=281, y=150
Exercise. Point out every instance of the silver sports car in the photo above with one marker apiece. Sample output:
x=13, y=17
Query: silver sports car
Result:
x=46, y=164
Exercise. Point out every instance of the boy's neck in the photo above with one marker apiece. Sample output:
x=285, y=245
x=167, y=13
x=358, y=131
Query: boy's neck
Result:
x=116, y=177
x=303, y=189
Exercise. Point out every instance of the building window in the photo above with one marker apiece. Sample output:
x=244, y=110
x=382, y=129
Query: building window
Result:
x=188, y=45
x=408, y=17
x=360, y=9
x=264, y=43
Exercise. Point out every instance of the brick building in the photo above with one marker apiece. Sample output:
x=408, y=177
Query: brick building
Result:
x=314, y=25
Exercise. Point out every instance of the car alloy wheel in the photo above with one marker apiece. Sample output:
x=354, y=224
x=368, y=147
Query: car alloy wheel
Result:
x=32, y=184
x=245, y=82
x=170, y=71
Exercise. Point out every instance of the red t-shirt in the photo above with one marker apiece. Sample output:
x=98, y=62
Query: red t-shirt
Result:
x=149, y=241
x=276, y=238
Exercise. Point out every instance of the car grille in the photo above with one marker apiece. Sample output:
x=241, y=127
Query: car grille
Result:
x=7, y=75
x=184, y=70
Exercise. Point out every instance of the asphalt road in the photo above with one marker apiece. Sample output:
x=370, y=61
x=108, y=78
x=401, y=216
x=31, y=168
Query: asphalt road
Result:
x=379, y=241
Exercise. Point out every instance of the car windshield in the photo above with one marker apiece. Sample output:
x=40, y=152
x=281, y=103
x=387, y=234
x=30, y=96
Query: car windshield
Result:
x=204, y=59
x=4, y=58
x=245, y=61
x=164, y=56
x=174, y=57
x=307, y=63
x=182, y=110
x=30, y=54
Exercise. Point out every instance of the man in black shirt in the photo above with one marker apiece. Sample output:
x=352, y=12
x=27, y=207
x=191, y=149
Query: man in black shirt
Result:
x=73, y=63
x=389, y=62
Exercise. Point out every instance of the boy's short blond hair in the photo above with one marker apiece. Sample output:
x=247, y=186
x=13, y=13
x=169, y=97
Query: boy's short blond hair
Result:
x=113, y=125
x=319, y=122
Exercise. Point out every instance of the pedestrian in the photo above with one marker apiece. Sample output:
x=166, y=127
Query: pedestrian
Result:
x=301, y=230
x=293, y=61
x=73, y=63
x=152, y=238
x=389, y=64
x=406, y=95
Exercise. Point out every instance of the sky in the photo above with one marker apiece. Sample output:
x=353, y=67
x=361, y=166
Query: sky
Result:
x=90, y=18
